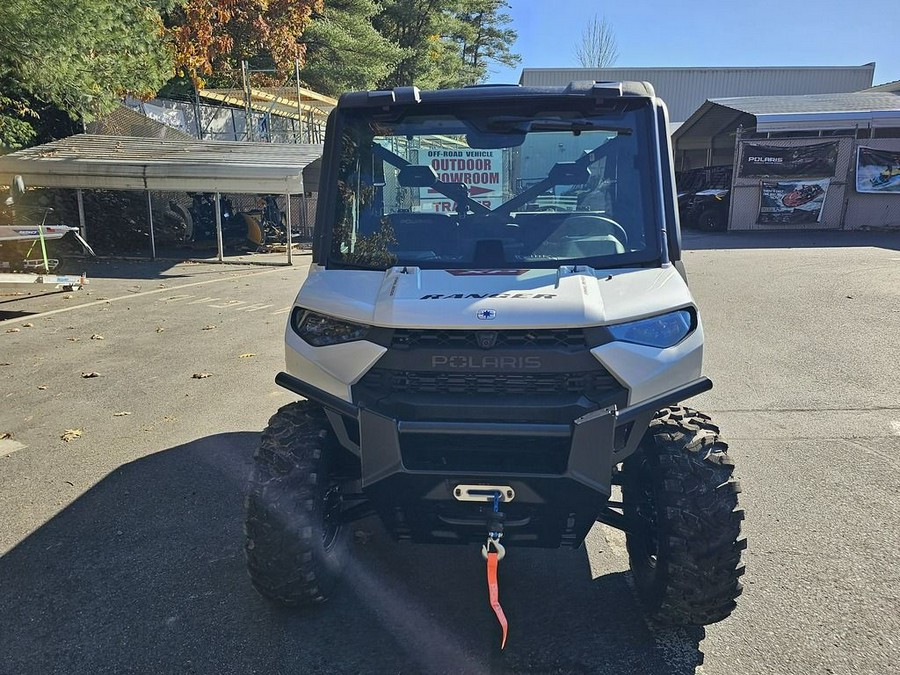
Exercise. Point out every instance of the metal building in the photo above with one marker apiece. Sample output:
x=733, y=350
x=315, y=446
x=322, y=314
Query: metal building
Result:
x=686, y=89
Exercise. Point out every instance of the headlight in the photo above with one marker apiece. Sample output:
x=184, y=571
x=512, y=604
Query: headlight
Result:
x=660, y=331
x=320, y=330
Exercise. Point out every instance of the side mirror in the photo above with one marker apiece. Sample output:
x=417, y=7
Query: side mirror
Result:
x=16, y=190
x=416, y=175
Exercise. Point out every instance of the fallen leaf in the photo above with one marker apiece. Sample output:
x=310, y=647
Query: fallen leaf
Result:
x=90, y=374
x=200, y=376
x=28, y=325
x=209, y=327
x=42, y=387
x=68, y=482
x=68, y=297
x=121, y=414
x=73, y=339
x=159, y=329
x=247, y=355
x=13, y=330
x=5, y=435
x=97, y=336
x=71, y=434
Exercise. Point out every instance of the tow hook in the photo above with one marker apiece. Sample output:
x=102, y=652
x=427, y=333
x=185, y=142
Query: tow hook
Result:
x=492, y=551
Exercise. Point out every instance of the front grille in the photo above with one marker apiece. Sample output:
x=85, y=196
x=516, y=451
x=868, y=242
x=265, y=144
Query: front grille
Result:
x=507, y=339
x=418, y=382
x=491, y=454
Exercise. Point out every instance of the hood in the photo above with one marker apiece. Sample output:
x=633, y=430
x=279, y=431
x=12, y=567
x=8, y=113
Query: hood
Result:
x=409, y=297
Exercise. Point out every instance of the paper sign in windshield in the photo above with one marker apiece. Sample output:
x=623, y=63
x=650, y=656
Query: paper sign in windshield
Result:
x=480, y=170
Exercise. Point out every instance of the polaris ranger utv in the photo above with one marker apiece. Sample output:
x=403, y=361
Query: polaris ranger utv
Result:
x=496, y=330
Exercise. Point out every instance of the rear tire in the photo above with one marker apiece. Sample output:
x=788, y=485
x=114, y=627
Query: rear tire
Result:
x=685, y=548
x=295, y=544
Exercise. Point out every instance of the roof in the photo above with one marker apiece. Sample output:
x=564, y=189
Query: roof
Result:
x=126, y=163
x=893, y=87
x=794, y=113
x=685, y=89
x=821, y=103
x=493, y=92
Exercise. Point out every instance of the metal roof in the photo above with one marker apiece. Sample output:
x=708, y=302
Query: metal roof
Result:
x=817, y=103
x=685, y=89
x=793, y=113
x=126, y=163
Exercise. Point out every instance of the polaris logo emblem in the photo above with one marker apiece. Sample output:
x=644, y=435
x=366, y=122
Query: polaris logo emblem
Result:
x=486, y=339
x=486, y=314
x=460, y=362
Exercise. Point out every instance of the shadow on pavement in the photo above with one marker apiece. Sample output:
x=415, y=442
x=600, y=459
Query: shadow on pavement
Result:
x=145, y=572
x=693, y=240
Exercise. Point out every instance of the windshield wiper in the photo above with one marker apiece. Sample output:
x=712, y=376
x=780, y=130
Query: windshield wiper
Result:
x=526, y=124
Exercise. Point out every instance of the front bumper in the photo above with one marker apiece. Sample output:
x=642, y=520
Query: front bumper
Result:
x=561, y=473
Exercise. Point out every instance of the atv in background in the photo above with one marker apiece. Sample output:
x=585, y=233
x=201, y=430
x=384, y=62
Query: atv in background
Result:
x=704, y=197
x=492, y=347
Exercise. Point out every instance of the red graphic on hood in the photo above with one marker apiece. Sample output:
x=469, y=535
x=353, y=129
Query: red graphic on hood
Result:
x=486, y=273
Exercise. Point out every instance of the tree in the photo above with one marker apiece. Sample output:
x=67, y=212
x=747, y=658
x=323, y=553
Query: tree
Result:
x=216, y=35
x=344, y=51
x=598, y=47
x=447, y=43
x=484, y=37
x=80, y=56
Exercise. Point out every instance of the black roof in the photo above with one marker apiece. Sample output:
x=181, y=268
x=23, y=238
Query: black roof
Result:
x=408, y=95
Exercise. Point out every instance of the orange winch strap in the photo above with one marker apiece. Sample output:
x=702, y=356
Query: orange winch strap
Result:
x=494, y=591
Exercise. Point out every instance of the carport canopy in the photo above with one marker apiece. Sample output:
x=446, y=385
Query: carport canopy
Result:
x=87, y=161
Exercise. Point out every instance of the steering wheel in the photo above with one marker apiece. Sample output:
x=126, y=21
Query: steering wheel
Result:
x=588, y=225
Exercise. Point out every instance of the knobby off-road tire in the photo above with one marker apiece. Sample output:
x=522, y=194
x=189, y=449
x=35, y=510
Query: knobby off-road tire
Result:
x=295, y=550
x=685, y=551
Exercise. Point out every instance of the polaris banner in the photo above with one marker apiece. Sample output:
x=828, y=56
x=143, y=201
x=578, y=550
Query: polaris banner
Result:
x=877, y=171
x=480, y=170
x=792, y=202
x=800, y=161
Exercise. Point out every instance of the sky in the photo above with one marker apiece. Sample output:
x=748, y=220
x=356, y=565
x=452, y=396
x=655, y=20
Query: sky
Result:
x=713, y=33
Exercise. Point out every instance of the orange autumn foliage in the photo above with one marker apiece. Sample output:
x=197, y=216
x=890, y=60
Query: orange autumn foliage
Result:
x=217, y=34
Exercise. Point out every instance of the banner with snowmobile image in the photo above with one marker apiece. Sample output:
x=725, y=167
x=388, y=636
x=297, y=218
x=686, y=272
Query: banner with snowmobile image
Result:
x=762, y=161
x=877, y=171
x=792, y=202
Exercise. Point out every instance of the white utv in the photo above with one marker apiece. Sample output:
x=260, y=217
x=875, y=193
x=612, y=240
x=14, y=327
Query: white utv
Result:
x=495, y=332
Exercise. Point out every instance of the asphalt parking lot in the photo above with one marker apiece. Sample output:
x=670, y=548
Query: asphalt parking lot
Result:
x=121, y=550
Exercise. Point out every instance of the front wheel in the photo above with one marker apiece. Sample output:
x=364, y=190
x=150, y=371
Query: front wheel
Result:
x=682, y=503
x=713, y=220
x=296, y=544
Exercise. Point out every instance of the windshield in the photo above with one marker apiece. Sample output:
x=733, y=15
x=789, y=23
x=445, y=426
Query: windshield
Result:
x=441, y=187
